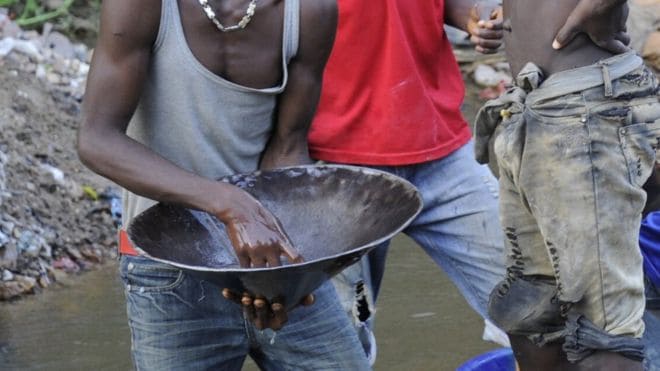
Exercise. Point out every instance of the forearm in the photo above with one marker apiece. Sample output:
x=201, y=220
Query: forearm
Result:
x=457, y=12
x=296, y=108
x=286, y=150
x=133, y=166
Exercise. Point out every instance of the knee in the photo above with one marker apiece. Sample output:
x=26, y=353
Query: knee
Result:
x=526, y=306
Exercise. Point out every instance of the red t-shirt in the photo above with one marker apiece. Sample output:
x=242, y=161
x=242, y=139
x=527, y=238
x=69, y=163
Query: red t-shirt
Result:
x=392, y=89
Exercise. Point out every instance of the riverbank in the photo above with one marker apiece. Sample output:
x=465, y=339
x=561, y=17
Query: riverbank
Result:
x=56, y=217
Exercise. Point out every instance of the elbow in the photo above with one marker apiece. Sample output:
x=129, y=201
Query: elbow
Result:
x=87, y=147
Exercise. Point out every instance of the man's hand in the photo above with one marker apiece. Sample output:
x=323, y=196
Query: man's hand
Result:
x=260, y=312
x=256, y=235
x=604, y=21
x=485, y=28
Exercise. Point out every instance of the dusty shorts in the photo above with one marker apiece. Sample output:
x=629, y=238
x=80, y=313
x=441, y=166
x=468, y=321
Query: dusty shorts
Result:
x=573, y=153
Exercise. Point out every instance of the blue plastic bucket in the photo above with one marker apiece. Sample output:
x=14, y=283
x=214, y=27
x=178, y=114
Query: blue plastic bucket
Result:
x=495, y=360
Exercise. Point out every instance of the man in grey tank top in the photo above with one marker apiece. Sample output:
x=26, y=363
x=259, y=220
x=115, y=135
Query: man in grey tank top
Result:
x=181, y=93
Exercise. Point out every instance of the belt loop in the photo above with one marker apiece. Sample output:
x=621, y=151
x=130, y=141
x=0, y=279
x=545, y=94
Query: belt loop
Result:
x=607, y=81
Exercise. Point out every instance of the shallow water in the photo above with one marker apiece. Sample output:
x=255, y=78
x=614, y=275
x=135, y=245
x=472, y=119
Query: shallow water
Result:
x=422, y=322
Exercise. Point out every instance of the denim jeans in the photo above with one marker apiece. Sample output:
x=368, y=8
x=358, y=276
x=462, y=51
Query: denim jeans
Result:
x=458, y=228
x=652, y=340
x=573, y=153
x=179, y=322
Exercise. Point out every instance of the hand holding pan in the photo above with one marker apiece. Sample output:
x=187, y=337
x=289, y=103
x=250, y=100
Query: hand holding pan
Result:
x=332, y=214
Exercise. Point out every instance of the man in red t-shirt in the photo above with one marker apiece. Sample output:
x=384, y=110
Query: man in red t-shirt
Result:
x=391, y=99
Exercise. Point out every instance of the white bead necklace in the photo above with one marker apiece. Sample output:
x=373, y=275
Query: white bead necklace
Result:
x=241, y=24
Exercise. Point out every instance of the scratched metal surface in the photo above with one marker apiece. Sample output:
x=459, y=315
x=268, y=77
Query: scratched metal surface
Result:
x=333, y=215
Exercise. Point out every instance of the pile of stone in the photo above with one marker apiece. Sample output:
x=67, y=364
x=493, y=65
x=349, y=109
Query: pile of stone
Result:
x=56, y=216
x=49, y=55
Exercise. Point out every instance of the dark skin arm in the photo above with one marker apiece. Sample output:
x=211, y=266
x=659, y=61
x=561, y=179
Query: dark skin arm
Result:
x=603, y=21
x=288, y=144
x=116, y=79
x=481, y=19
x=297, y=104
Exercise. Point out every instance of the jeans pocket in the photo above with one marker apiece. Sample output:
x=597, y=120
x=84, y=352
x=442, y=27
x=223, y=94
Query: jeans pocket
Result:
x=506, y=139
x=639, y=143
x=146, y=275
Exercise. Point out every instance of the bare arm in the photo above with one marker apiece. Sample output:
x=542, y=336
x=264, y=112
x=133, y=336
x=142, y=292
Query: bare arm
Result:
x=297, y=105
x=604, y=21
x=482, y=19
x=115, y=83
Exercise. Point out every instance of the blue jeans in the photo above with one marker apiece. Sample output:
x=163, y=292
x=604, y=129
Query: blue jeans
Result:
x=179, y=322
x=458, y=228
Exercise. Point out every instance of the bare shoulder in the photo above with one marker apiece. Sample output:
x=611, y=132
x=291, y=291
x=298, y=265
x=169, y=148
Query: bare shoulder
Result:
x=129, y=22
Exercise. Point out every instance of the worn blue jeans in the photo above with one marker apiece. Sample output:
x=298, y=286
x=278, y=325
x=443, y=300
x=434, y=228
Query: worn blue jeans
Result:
x=179, y=322
x=573, y=152
x=458, y=228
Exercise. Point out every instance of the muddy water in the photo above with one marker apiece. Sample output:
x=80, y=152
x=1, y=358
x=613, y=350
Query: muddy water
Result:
x=422, y=322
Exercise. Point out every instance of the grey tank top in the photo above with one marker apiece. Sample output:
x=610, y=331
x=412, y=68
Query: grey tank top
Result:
x=196, y=119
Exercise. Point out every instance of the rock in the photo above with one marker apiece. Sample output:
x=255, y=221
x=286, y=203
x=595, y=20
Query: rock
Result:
x=53, y=78
x=7, y=275
x=40, y=72
x=457, y=37
x=8, y=28
x=60, y=45
x=28, y=48
x=3, y=239
x=44, y=281
x=74, y=253
x=57, y=174
x=6, y=46
x=7, y=227
x=487, y=76
x=643, y=19
x=81, y=52
x=30, y=243
x=91, y=255
x=58, y=275
x=8, y=256
x=651, y=50
x=10, y=290
x=28, y=282
x=46, y=251
x=21, y=285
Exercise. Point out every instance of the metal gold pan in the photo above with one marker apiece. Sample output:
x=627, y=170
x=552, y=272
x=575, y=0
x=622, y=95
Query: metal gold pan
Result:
x=333, y=214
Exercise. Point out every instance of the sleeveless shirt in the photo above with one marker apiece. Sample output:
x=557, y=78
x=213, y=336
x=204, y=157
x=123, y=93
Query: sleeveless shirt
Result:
x=198, y=120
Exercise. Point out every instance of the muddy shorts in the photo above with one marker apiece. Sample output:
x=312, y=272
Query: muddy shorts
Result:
x=573, y=152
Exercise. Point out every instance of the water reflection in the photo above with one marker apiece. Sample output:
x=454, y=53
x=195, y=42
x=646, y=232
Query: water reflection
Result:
x=78, y=327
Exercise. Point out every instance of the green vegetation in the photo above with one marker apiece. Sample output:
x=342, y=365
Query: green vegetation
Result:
x=34, y=13
x=76, y=18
